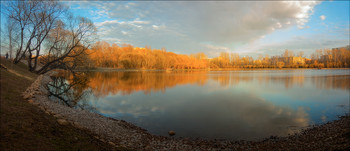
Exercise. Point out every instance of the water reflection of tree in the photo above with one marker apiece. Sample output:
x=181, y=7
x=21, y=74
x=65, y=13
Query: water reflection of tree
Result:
x=104, y=83
x=333, y=82
x=71, y=90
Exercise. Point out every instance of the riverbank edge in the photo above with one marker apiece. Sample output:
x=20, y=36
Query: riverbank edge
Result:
x=119, y=133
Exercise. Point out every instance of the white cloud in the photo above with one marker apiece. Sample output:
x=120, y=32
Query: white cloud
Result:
x=185, y=26
x=304, y=11
x=155, y=27
x=107, y=22
x=322, y=17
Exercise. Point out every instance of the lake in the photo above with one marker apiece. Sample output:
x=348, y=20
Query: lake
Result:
x=246, y=104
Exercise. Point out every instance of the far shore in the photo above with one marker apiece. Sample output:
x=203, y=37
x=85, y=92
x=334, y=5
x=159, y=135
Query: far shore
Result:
x=105, y=69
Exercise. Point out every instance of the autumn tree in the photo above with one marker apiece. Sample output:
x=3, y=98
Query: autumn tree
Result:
x=287, y=57
x=235, y=59
x=280, y=64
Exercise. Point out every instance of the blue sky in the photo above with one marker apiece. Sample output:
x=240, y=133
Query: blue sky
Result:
x=248, y=28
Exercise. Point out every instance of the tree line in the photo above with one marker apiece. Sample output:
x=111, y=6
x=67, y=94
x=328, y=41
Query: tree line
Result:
x=127, y=56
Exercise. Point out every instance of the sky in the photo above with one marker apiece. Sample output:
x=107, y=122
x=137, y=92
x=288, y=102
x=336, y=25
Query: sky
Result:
x=245, y=27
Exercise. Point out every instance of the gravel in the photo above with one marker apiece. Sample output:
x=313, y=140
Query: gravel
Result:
x=331, y=136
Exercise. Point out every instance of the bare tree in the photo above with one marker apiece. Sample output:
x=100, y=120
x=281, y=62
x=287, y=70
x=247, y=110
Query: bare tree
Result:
x=67, y=43
x=47, y=25
x=10, y=27
x=7, y=37
x=30, y=19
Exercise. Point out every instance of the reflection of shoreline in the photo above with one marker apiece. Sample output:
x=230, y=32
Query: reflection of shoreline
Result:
x=126, y=83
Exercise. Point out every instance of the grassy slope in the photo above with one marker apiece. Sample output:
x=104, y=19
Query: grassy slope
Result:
x=26, y=127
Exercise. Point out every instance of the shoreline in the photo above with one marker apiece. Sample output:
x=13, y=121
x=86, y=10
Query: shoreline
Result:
x=218, y=69
x=119, y=133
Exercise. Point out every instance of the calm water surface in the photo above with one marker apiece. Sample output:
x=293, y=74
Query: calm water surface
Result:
x=220, y=104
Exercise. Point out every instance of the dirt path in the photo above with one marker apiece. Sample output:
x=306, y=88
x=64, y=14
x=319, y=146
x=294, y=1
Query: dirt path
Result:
x=20, y=75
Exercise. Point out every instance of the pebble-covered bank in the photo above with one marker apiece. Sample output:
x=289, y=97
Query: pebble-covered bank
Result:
x=331, y=136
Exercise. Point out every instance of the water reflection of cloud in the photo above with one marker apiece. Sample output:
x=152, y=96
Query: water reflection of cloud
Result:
x=212, y=116
x=123, y=105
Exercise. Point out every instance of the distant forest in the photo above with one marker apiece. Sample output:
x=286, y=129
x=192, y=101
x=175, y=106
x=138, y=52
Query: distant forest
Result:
x=127, y=56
